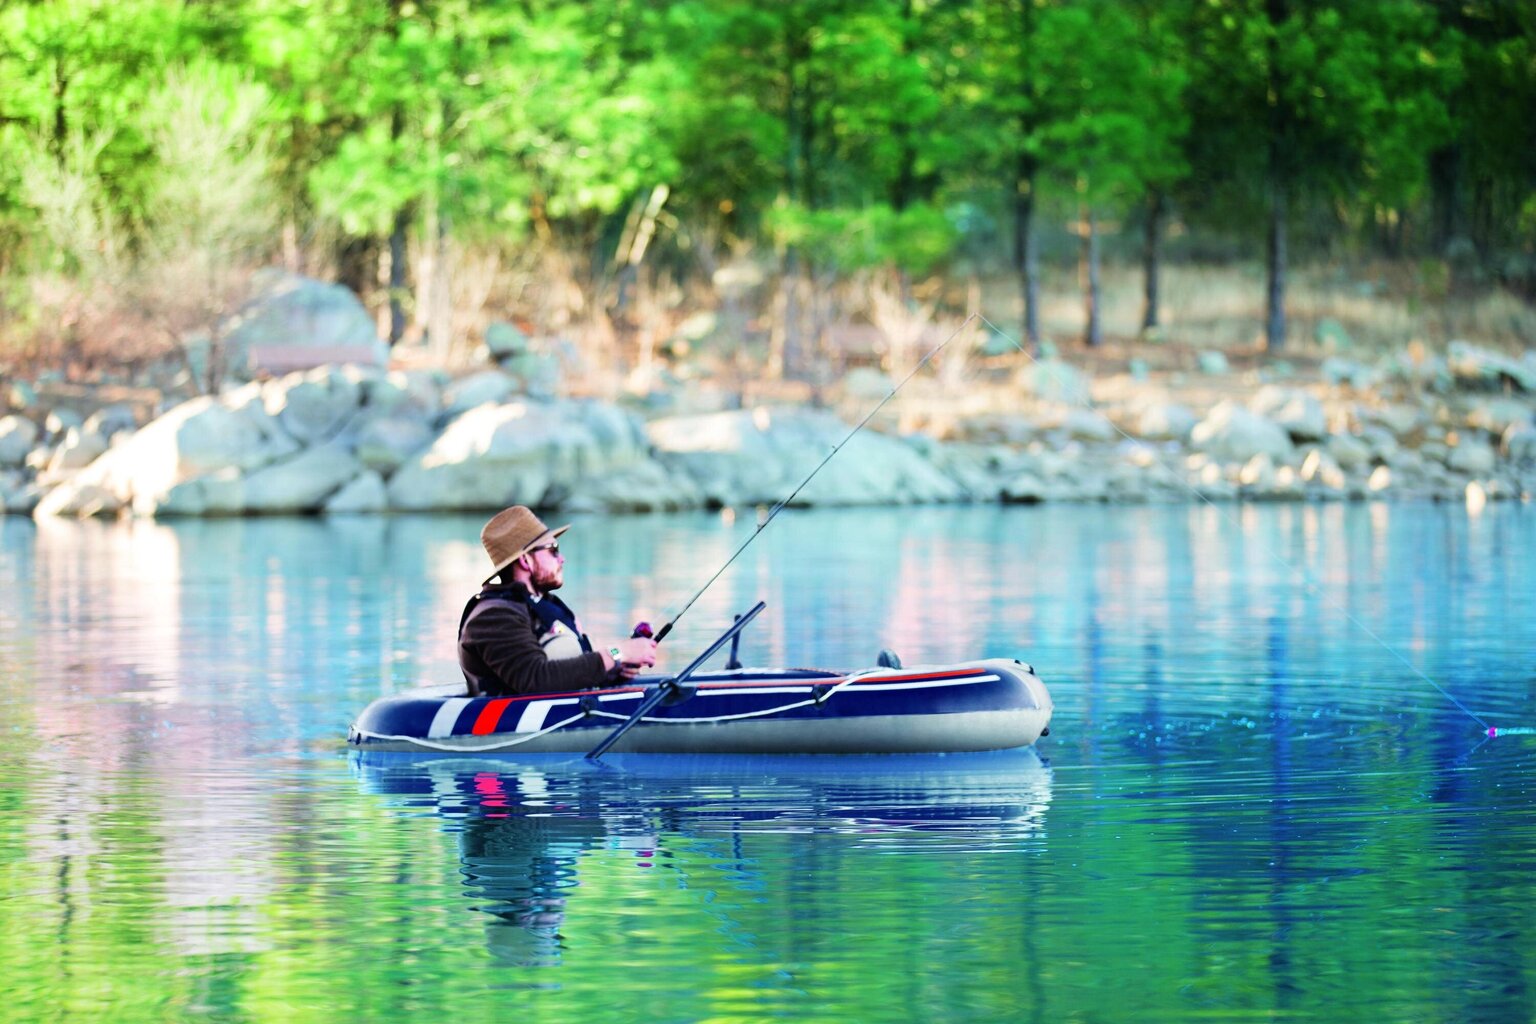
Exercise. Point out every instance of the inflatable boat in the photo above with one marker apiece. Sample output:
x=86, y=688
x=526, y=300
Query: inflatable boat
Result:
x=993, y=704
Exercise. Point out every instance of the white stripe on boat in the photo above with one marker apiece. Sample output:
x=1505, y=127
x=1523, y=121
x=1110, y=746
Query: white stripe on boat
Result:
x=447, y=714
x=963, y=681
x=532, y=718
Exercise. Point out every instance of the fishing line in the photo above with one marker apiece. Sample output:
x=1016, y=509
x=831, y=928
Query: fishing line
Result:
x=1312, y=587
x=792, y=494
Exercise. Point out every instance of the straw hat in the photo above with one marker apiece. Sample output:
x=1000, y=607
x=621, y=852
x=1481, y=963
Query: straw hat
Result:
x=511, y=533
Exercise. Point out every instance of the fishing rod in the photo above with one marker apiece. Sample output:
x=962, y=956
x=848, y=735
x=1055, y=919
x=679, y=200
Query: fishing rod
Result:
x=644, y=628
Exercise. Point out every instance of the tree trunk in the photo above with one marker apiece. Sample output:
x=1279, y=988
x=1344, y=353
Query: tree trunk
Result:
x=1025, y=253
x=1274, y=322
x=1093, y=332
x=1151, y=262
x=398, y=275
x=1279, y=183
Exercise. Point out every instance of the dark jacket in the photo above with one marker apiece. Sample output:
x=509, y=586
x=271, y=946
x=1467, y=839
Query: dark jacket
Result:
x=500, y=650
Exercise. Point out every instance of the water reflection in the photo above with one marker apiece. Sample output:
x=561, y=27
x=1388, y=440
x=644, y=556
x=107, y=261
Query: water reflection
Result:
x=525, y=825
x=1253, y=807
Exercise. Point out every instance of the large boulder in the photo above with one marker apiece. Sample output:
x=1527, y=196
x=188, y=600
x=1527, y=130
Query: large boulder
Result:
x=365, y=493
x=294, y=322
x=517, y=453
x=760, y=456
x=313, y=406
x=1235, y=434
x=78, y=449
x=18, y=435
x=195, y=439
x=384, y=444
x=302, y=483
x=487, y=386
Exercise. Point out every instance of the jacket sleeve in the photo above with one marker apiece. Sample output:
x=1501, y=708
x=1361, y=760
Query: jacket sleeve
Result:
x=501, y=637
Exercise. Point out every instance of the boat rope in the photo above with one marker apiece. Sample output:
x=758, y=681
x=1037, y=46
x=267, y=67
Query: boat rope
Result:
x=822, y=699
x=519, y=739
x=421, y=741
x=783, y=502
x=1083, y=399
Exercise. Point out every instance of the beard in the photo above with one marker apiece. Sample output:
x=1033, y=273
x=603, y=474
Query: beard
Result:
x=546, y=580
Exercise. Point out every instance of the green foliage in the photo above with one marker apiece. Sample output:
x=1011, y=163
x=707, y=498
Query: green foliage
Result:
x=838, y=126
x=916, y=239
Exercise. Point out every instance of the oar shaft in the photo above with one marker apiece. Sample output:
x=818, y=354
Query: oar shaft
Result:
x=667, y=687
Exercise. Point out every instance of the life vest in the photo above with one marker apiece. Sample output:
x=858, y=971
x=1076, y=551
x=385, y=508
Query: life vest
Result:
x=554, y=624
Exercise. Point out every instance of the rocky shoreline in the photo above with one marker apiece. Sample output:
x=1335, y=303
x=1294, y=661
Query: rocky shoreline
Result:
x=357, y=439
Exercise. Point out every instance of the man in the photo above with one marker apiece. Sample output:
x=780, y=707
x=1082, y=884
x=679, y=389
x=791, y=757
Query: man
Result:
x=517, y=637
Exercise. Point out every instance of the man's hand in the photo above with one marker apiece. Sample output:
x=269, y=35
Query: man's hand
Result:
x=635, y=653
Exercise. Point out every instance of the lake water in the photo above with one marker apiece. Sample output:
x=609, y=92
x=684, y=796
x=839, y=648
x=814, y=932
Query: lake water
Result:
x=1254, y=803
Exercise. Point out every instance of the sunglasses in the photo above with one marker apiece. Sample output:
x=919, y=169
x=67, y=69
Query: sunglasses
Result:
x=553, y=549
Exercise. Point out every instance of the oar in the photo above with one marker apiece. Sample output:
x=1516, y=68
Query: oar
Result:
x=670, y=687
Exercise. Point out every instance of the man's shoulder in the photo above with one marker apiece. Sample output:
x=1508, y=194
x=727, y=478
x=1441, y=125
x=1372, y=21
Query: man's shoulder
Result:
x=494, y=607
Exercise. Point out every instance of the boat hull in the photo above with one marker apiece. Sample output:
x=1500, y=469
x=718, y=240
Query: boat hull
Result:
x=985, y=705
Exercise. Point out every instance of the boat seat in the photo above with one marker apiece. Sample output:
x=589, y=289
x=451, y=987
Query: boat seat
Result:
x=888, y=658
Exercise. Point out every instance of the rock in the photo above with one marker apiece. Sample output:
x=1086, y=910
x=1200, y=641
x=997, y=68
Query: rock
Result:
x=1321, y=470
x=194, y=439
x=645, y=486
x=1381, y=480
x=295, y=322
x=1214, y=364
x=384, y=445
x=18, y=435
x=20, y=396
x=760, y=456
x=1348, y=451
x=312, y=407
x=1025, y=489
x=365, y=493
x=110, y=420
x=997, y=427
x=1332, y=337
x=865, y=384
x=221, y=493
x=488, y=386
x=20, y=499
x=78, y=449
x=1402, y=420
x=1088, y=425
x=1348, y=373
x=1054, y=380
x=61, y=420
x=1496, y=415
x=504, y=340
x=1294, y=411
x=1519, y=443
x=1165, y=421
x=536, y=374
x=76, y=497
x=414, y=393
x=1472, y=456
x=1472, y=366
x=37, y=459
x=302, y=483
x=1232, y=432
x=498, y=455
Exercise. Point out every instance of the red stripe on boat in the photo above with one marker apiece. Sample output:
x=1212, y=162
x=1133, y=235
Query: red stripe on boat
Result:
x=490, y=715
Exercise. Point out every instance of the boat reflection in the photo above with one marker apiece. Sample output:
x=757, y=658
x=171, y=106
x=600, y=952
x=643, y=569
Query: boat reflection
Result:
x=525, y=824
